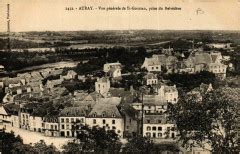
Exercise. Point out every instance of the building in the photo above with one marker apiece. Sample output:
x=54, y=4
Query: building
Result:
x=152, y=65
x=35, y=122
x=2, y=69
x=157, y=126
x=54, y=83
x=167, y=93
x=200, y=61
x=105, y=114
x=132, y=121
x=1, y=83
x=150, y=79
x=71, y=74
x=70, y=121
x=113, y=69
x=19, y=90
x=151, y=104
x=50, y=126
x=102, y=86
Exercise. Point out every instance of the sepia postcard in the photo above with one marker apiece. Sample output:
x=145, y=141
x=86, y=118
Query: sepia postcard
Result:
x=120, y=76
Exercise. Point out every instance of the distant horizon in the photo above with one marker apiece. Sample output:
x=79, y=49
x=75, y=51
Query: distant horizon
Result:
x=120, y=30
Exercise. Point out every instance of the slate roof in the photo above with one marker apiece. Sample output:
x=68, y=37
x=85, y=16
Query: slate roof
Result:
x=152, y=61
x=150, y=76
x=12, y=108
x=153, y=100
x=161, y=58
x=73, y=112
x=103, y=79
x=203, y=58
x=106, y=107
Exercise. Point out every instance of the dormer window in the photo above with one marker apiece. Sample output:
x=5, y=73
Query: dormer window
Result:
x=103, y=114
x=94, y=114
x=113, y=115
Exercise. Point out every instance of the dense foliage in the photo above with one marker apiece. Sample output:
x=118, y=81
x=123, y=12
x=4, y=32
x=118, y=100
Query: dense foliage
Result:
x=210, y=121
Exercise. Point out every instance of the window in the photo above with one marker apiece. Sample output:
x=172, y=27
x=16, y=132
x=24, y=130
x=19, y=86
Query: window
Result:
x=159, y=134
x=67, y=126
x=55, y=127
x=52, y=127
x=62, y=126
x=94, y=121
x=62, y=120
x=168, y=128
x=154, y=128
x=152, y=68
x=67, y=120
x=103, y=114
x=113, y=127
x=104, y=121
x=148, y=134
x=72, y=120
x=160, y=128
x=113, y=115
x=113, y=121
x=94, y=114
x=148, y=121
x=148, y=128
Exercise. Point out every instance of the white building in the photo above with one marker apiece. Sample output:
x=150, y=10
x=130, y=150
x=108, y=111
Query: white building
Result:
x=71, y=74
x=152, y=104
x=35, y=123
x=70, y=120
x=151, y=79
x=167, y=93
x=157, y=126
x=102, y=86
x=50, y=126
x=105, y=114
x=152, y=65
x=113, y=69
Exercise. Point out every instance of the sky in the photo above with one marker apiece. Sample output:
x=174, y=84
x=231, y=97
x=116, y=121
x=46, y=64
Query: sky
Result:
x=51, y=15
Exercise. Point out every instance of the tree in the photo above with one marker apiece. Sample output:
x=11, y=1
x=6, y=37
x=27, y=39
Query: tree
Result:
x=8, y=141
x=94, y=139
x=41, y=146
x=210, y=121
x=72, y=147
x=138, y=144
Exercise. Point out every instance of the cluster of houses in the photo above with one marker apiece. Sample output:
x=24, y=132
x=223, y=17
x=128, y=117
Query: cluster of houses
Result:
x=196, y=62
x=127, y=112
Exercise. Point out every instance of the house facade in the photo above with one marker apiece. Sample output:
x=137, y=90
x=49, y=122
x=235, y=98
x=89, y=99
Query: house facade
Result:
x=102, y=86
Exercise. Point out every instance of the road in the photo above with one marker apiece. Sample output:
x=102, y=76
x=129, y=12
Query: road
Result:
x=34, y=137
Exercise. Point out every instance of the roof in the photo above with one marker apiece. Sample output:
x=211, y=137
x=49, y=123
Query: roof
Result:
x=152, y=61
x=23, y=87
x=113, y=64
x=203, y=58
x=12, y=108
x=171, y=60
x=170, y=88
x=103, y=79
x=156, y=119
x=153, y=100
x=8, y=81
x=150, y=76
x=73, y=112
x=125, y=95
x=106, y=107
x=161, y=58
